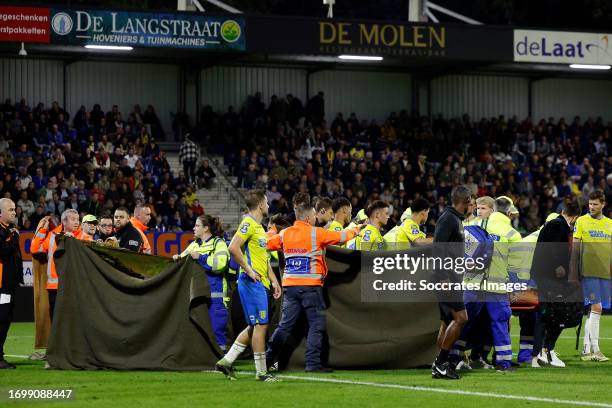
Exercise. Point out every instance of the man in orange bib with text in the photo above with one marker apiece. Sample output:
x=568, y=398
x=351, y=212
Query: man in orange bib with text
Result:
x=303, y=246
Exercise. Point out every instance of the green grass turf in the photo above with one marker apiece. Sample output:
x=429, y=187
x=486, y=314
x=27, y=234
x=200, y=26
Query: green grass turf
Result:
x=581, y=381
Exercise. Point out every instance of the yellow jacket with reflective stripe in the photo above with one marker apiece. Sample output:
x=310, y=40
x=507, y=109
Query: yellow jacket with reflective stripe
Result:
x=500, y=229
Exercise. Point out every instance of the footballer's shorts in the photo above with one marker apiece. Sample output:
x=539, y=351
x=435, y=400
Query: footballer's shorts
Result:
x=254, y=299
x=447, y=309
x=596, y=290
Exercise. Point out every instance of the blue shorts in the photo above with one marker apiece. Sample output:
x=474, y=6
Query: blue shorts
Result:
x=254, y=299
x=596, y=290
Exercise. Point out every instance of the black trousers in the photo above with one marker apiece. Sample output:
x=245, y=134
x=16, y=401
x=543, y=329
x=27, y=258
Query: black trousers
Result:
x=189, y=167
x=546, y=334
x=6, y=317
x=52, y=297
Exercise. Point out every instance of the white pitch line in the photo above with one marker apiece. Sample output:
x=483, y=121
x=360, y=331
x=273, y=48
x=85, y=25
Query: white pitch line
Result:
x=569, y=337
x=16, y=356
x=437, y=390
x=449, y=391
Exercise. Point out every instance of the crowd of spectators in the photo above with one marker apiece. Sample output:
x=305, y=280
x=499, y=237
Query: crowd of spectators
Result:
x=285, y=147
x=93, y=162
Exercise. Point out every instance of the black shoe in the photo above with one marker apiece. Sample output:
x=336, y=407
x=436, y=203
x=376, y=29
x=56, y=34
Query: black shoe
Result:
x=5, y=364
x=443, y=370
x=321, y=370
x=504, y=370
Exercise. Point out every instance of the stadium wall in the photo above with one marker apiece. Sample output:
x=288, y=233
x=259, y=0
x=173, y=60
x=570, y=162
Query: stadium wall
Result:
x=480, y=96
x=225, y=86
x=570, y=97
x=124, y=84
x=371, y=95
x=36, y=80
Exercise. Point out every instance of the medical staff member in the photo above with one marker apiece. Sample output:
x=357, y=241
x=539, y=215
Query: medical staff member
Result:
x=491, y=295
x=210, y=251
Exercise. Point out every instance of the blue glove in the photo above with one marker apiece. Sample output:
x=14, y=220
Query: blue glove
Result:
x=202, y=261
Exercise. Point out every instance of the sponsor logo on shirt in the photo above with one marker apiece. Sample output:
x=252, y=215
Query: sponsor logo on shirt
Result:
x=244, y=228
x=599, y=234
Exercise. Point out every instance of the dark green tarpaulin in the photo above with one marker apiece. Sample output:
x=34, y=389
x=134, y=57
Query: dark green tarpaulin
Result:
x=368, y=335
x=106, y=318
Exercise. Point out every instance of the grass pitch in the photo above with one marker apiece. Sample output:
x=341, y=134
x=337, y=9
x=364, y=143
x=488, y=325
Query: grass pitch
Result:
x=583, y=383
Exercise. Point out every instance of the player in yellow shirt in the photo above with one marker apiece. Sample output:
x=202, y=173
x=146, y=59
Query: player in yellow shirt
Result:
x=325, y=213
x=256, y=278
x=592, y=253
x=409, y=233
x=370, y=238
x=342, y=209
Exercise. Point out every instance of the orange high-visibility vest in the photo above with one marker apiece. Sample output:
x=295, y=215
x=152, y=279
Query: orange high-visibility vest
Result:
x=303, y=246
x=146, y=245
x=44, y=241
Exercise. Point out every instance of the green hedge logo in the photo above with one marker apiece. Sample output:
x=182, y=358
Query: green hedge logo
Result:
x=230, y=31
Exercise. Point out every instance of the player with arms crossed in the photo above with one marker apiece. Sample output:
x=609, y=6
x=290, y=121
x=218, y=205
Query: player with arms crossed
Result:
x=592, y=248
x=256, y=278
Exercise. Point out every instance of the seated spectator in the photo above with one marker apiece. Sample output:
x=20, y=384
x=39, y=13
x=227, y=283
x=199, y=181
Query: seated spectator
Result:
x=190, y=196
x=196, y=208
x=205, y=175
x=26, y=205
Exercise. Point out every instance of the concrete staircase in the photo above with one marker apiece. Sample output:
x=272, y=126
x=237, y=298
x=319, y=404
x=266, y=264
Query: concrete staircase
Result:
x=222, y=200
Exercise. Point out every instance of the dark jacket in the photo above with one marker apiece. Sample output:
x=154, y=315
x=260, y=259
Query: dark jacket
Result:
x=130, y=238
x=551, y=252
x=10, y=259
x=449, y=229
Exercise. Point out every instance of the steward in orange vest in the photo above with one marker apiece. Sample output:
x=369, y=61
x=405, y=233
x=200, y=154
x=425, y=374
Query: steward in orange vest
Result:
x=303, y=247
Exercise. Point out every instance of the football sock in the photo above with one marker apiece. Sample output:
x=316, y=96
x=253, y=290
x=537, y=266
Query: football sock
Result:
x=595, y=316
x=586, y=347
x=260, y=363
x=234, y=352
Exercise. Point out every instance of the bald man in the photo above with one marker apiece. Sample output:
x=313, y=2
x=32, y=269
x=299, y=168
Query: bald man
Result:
x=12, y=271
x=140, y=220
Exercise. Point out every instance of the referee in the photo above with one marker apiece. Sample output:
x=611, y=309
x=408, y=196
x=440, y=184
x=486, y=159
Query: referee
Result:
x=453, y=316
x=11, y=268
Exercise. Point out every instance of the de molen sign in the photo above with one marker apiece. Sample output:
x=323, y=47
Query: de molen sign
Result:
x=24, y=24
x=560, y=47
x=382, y=39
x=137, y=29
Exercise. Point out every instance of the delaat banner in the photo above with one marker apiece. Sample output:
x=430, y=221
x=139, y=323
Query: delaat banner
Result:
x=138, y=29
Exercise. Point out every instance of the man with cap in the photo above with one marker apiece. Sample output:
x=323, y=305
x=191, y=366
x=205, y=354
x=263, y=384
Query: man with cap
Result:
x=88, y=227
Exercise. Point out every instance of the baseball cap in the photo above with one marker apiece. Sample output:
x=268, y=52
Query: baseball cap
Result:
x=90, y=219
x=552, y=216
x=407, y=214
x=361, y=215
x=507, y=198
